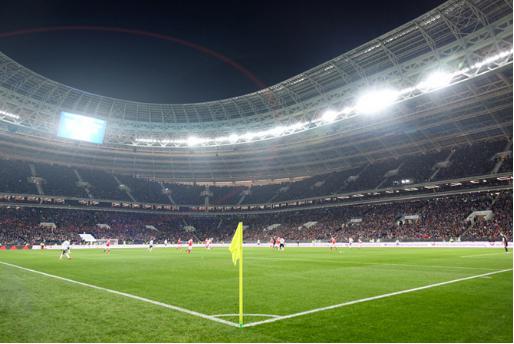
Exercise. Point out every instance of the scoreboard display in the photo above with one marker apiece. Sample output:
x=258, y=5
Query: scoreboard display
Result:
x=81, y=128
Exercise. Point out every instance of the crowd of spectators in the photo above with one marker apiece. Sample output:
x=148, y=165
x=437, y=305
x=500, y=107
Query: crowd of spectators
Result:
x=501, y=222
x=427, y=219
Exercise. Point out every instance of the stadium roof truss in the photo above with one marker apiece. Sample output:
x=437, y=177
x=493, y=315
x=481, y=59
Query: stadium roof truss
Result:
x=470, y=39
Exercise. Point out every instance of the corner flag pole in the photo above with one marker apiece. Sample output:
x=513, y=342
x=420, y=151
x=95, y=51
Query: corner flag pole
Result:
x=236, y=248
x=241, y=283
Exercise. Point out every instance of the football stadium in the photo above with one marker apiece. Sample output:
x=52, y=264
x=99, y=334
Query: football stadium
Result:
x=366, y=199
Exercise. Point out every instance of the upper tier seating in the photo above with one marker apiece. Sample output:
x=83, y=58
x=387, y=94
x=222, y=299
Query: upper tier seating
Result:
x=462, y=161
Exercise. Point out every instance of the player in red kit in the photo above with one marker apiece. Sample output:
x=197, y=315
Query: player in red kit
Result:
x=332, y=243
x=179, y=244
x=189, y=246
x=108, y=246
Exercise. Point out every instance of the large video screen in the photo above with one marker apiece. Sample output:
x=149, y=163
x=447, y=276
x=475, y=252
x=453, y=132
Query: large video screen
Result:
x=82, y=128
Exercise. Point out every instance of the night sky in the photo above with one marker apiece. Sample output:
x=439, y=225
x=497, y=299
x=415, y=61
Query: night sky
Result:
x=273, y=40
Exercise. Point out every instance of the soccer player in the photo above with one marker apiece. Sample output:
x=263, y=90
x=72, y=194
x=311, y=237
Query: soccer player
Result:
x=65, y=246
x=505, y=242
x=108, y=246
x=165, y=242
x=282, y=242
x=272, y=243
x=258, y=242
x=42, y=245
x=189, y=246
x=150, y=245
x=179, y=244
x=332, y=243
x=350, y=242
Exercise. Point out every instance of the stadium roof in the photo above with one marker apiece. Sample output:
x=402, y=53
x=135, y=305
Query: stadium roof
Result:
x=288, y=131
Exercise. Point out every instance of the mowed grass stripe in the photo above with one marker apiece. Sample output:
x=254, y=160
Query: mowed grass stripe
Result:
x=383, y=296
x=35, y=308
x=135, y=297
x=206, y=281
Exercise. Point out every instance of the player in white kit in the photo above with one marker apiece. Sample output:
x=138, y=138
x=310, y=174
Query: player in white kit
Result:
x=65, y=246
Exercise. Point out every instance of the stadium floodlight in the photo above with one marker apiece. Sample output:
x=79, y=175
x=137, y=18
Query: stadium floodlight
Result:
x=347, y=110
x=8, y=114
x=298, y=126
x=329, y=116
x=372, y=101
x=277, y=131
x=233, y=138
x=435, y=80
x=249, y=136
x=492, y=59
x=193, y=141
x=375, y=101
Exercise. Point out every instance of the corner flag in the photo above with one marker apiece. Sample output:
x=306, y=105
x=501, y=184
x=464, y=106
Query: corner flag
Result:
x=236, y=248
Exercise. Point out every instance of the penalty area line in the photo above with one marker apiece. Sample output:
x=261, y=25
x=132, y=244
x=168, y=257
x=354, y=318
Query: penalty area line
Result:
x=131, y=296
x=383, y=296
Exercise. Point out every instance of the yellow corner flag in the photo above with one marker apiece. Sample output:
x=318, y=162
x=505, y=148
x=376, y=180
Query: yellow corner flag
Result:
x=236, y=248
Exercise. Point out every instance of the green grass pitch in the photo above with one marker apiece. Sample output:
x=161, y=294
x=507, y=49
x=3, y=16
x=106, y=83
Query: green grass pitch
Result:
x=39, y=308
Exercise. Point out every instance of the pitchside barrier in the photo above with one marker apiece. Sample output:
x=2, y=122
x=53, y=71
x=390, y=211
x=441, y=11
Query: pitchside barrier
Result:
x=419, y=244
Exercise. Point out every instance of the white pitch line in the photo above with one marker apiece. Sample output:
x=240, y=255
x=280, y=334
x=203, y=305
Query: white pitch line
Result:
x=246, y=314
x=144, y=299
x=483, y=254
x=294, y=315
x=436, y=266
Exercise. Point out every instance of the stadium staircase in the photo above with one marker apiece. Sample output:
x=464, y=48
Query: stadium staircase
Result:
x=500, y=162
x=490, y=207
x=124, y=189
x=437, y=169
x=388, y=175
x=278, y=192
x=244, y=193
x=83, y=184
x=351, y=179
x=37, y=181
x=494, y=200
x=167, y=194
x=206, y=194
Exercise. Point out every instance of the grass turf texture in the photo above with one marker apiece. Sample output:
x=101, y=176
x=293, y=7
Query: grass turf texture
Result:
x=36, y=308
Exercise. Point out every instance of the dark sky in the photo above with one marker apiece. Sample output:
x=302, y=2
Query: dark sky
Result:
x=273, y=39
